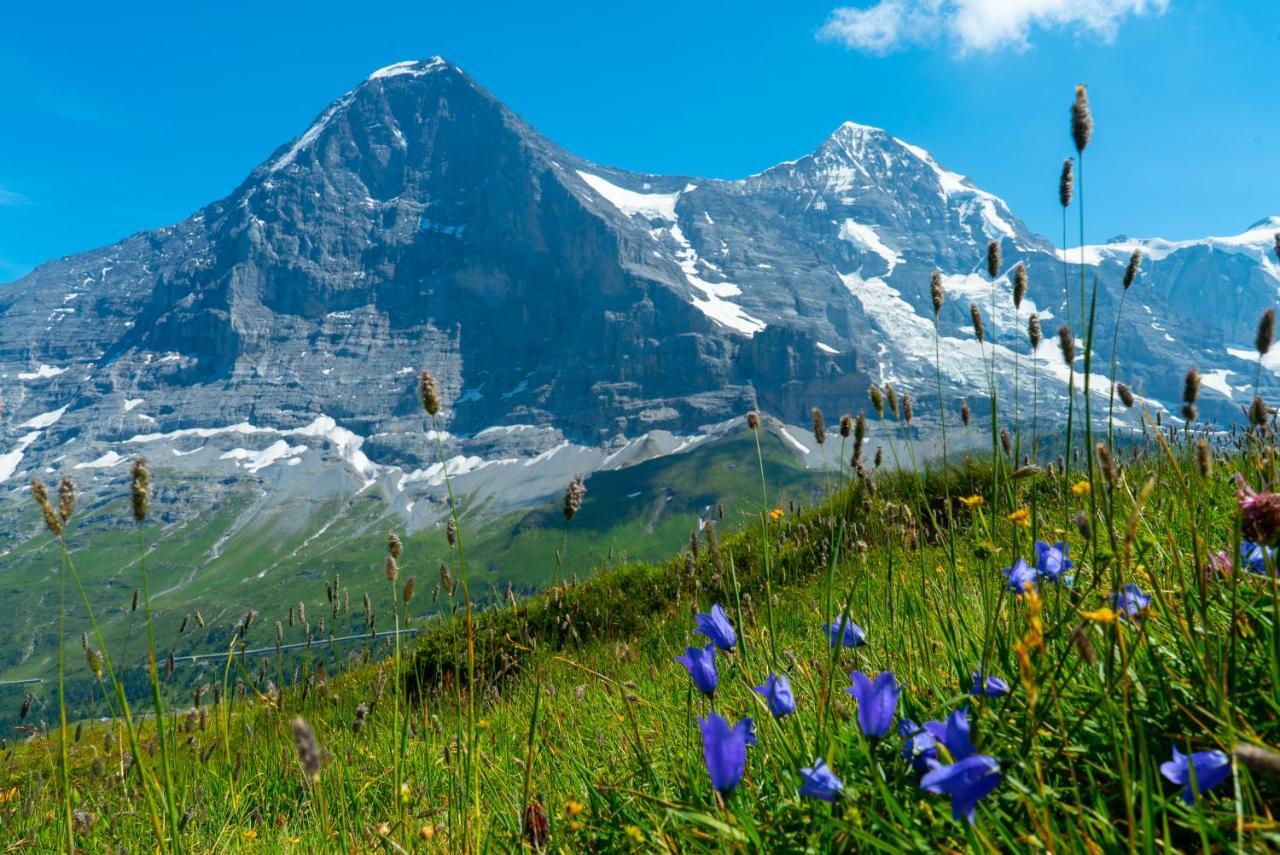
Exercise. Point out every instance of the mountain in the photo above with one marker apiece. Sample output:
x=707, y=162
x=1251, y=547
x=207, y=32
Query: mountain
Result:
x=578, y=316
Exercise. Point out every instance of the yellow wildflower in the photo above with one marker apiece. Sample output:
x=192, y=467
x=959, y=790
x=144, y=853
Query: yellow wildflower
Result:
x=635, y=834
x=406, y=793
x=971, y=501
x=573, y=808
x=482, y=724
x=249, y=835
x=1081, y=488
x=1021, y=517
x=8, y=795
x=776, y=514
x=427, y=832
x=1102, y=615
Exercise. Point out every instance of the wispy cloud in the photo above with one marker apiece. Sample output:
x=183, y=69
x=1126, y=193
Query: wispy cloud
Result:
x=975, y=26
x=12, y=198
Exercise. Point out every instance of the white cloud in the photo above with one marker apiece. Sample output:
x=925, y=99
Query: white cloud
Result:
x=12, y=197
x=975, y=26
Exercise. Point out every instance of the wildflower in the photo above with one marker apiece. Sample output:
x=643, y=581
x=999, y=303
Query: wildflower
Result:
x=427, y=832
x=845, y=633
x=953, y=734
x=573, y=808
x=1081, y=488
x=1053, y=561
x=724, y=749
x=1210, y=768
x=249, y=835
x=877, y=701
x=1255, y=557
x=819, y=782
x=777, y=514
x=1020, y=577
x=967, y=781
x=776, y=692
x=971, y=501
x=919, y=745
x=634, y=832
x=715, y=626
x=701, y=665
x=1259, y=513
x=1131, y=601
x=1100, y=615
x=1020, y=517
x=991, y=687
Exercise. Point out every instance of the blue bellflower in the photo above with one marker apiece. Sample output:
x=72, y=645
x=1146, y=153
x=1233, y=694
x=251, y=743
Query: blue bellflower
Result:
x=701, y=665
x=953, y=734
x=1052, y=562
x=1211, y=769
x=845, y=633
x=1131, y=601
x=776, y=692
x=819, y=782
x=967, y=781
x=1256, y=558
x=724, y=749
x=991, y=687
x=716, y=627
x=877, y=701
x=1020, y=576
x=919, y=746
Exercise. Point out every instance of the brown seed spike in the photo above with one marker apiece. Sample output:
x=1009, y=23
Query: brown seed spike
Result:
x=819, y=427
x=936, y=292
x=1066, y=182
x=753, y=420
x=1204, y=459
x=140, y=489
x=1258, y=412
x=976, y=316
x=1126, y=395
x=877, y=400
x=906, y=408
x=846, y=426
x=1081, y=120
x=965, y=413
x=308, y=750
x=1278, y=246
x=1034, y=333
x=1131, y=270
x=891, y=397
x=1019, y=284
x=392, y=569
x=993, y=258
x=66, y=499
x=1067, y=344
x=1266, y=332
x=428, y=392
x=394, y=547
x=573, y=497
x=1191, y=387
x=41, y=494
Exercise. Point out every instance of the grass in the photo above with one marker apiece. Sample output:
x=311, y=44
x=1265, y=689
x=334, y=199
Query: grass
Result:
x=560, y=720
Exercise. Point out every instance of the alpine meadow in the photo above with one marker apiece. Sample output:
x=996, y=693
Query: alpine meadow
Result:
x=440, y=490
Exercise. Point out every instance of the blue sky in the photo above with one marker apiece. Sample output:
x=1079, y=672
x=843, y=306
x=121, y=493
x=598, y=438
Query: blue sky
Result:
x=119, y=120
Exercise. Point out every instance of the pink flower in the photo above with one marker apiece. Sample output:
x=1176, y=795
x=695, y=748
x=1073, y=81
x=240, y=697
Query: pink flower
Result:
x=1259, y=513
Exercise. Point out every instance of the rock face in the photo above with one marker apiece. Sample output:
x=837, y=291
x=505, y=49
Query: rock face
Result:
x=419, y=223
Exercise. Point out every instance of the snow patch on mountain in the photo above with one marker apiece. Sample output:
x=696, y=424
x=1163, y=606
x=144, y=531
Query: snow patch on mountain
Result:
x=41, y=373
x=866, y=238
x=651, y=206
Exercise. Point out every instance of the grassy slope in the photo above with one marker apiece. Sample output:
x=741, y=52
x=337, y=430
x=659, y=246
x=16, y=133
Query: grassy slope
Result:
x=217, y=563
x=615, y=756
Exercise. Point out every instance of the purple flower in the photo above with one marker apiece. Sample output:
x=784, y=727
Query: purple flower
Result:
x=1211, y=769
x=919, y=746
x=1256, y=558
x=716, y=627
x=1131, y=601
x=701, y=665
x=1020, y=576
x=819, y=782
x=954, y=734
x=846, y=633
x=1052, y=562
x=877, y=701
x=991, y=687
x=967, y=781
x=1259, y=513
x=777, y=695
x=724, y=749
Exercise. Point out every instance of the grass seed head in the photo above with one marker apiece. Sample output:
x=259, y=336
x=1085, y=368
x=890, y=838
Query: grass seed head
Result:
x=846, y=426
x=1066, y=182
x=1126, y=395
x=976, y=316
x=1019, y=284
x=753, y=420
x=1034, y=334
x=936, y=292
x=573, y=497
x=66, y=498
x=1258, y=412
x=394, y=547
x=428, y=392
x=965, y=413
x=41, y=494
x=1204, y=459
x=993, y=258
x=308, y=750
x=1081, y=120
x=1067, y=344
x=1266, y=332
x=819, y=427
x=140, y=489
x=1131, y=270
x=877, y=399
